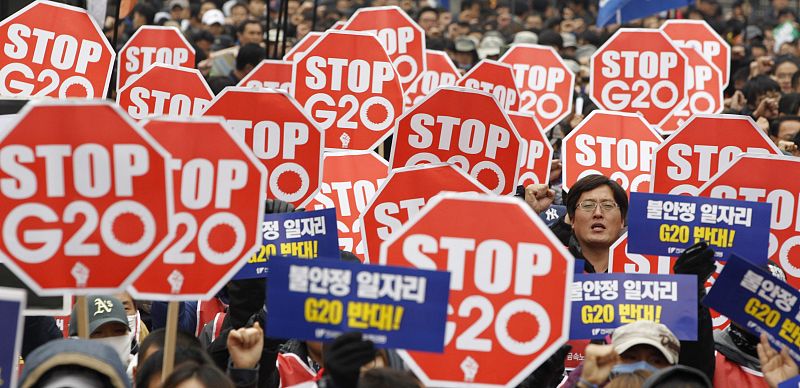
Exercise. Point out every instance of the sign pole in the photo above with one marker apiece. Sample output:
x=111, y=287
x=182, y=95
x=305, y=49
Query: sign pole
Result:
x=83, y=317
x=169, y=339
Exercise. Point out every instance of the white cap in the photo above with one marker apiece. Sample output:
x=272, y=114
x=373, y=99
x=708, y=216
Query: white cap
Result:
x=213, y=16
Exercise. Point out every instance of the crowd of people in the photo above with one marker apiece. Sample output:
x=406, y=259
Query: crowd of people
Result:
x=221, y=343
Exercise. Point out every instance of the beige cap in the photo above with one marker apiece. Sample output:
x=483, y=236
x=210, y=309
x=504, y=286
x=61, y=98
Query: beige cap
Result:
x=647, y=333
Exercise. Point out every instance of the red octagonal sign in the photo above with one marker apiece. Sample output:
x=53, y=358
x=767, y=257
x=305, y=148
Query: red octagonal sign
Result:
x=495, y=78
x=348, y=85
x=219, y=205
x=282, y=137
x=773, y=179
x=153, y=44
x=639, y=70
x=509, y=288
x=617, y=145
x=402, y=195
x=465, y=127
x=544, y=81
x=401, y=36
x=86, y=198
x=703, y=146
x=53, y=50
x=165, y=90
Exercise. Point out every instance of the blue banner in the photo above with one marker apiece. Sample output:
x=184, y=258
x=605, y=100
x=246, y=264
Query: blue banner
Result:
x=603, y=302
x=302, y=235
x=12, y=301
x=394, y=307
x=794, y=382
x=622, y=11
x=665, y=225
x=750, y=296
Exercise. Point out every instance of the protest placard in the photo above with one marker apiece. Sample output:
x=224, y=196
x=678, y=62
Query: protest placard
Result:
x=394, y=307
x=755, y=299
x=301, y=235
x=603, y=302
x=662, y=224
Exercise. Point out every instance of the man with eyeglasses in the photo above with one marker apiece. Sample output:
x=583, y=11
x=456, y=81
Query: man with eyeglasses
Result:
x=597, y=210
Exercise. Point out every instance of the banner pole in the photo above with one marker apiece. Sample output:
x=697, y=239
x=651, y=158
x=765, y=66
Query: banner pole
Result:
x=169, y=339
x=266, y=27
x=116, y=23
x=285, y=27
x=314, y=16
x=83, y=317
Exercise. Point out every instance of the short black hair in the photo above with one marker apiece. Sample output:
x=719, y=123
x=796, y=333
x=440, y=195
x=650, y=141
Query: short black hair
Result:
x=785, y=58
x=249, y=54
x=757, y=86
x=427, y=9
x=208, y=375
x=154, y=364
x=157, y=337
x=147, y=11
x=796, y=79
x=387, y=378
x=243, y=25
x=775, y=125
x=591, y=182
x=789, y=104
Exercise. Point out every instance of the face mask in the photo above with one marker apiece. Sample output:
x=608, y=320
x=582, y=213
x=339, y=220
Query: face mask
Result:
x=621, y=369
x=120, y=344
x=133, y=324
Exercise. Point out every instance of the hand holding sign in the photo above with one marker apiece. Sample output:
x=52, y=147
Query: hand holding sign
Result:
x=777, y=367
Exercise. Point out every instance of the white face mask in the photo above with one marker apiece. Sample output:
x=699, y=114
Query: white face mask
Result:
x=133, y=324
x=121, y=345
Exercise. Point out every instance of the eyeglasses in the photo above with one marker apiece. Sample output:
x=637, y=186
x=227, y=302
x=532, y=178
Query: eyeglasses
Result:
x=589, y=205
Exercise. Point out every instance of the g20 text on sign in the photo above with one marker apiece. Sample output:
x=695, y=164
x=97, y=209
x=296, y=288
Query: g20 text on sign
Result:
x=321, y=299
x=662, y=224
x=752, y=297
x=603, y=302
x=300, y=235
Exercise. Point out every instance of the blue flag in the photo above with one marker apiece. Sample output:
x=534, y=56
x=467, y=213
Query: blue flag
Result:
x=756, y=300
x=302, y=235
x=603, y=302
x=665, y=225
x=621, y=11
x=394, y=307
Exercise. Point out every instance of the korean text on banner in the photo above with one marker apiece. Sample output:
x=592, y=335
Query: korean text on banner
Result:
x=666, y=225
x=394, y=307
x=758, y=301
x=603, y=302
x=302, y=235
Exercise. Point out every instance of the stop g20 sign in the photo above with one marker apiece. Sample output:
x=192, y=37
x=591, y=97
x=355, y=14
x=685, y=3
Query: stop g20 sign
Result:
x=281, y=137
x=639, y=70
x=615, y=144
x=153, y=44
x=347, y=84
x=465, y=127
x=509, y=287
x=85, y=197
x=53, y=50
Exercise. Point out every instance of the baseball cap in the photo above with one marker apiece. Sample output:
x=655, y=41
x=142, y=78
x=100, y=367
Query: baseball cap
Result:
x=569, y=40
x=464, y=44
x=526, y=37
x=178, y=3
x=102, y=309
x=490, y=45
x=213, y=16
x=647, y=333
